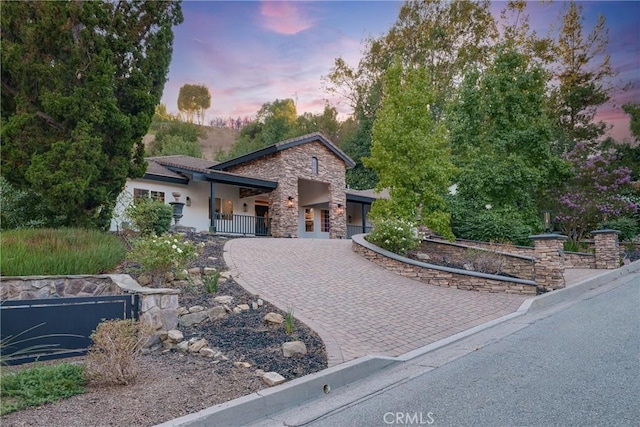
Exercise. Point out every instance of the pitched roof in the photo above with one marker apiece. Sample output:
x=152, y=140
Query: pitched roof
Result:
x=366, y=196
x=283, y=145
x=185, y=162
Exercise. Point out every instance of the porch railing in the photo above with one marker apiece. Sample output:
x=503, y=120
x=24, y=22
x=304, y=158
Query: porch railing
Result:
x=357, y=229
x=247, y=225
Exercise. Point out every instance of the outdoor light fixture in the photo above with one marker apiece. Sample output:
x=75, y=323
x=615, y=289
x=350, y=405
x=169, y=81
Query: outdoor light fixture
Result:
x=290, y=202
x=546, y=217
x=244, y=207
x=188, y=201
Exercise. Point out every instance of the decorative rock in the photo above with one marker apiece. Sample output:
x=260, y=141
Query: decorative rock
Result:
x=225, y=274
x=242, y=364
x=212, y=258
x=224, y=299
x=259, y=373
x=237, y=310
x=243, y=307
x=193, y=318
x=273, y=378
x=193, y=271
x=227, y=308
x=196, y=309
x=260, y=302
x=217, y=313
x=182, y=311
x=175, y=336
x=294, y=348
x=274, y=318
x=198, y=345
x=208, y=271
x=183, y=346
x=169, y=277
x=207, y=352
x=254, y=305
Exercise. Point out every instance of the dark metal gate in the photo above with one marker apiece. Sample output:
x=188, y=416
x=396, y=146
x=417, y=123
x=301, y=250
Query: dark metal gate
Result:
x=43, y=329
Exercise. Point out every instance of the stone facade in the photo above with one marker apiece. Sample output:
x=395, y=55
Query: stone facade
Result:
x=516, y=265
x=445, y=277
x=549, y=267
x=579, y=260
x=607, y=248
x=287, y=167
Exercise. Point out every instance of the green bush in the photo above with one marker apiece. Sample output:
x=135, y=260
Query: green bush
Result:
x=46, y=251
x=493, y=225
x=158, y=256
x=39, y=385
x=394, y=235
x=628, y=228
x=150, y=217
x=19, y=208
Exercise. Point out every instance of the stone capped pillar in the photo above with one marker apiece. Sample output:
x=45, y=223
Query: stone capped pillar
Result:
x=549, y=261
x=607, y=250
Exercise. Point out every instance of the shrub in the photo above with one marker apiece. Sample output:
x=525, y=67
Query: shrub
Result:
x=394, y=235
x=20, y=208
x=39, y=385
x=628, y=227
x=45, y=251
x=112, y=358
x=493, y=225
x=211, y=282
x=150, y=216
x=485, y=261
x=158, y=256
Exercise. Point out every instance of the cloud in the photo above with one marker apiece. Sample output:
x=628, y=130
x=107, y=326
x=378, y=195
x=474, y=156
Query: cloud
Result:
x=284, y=17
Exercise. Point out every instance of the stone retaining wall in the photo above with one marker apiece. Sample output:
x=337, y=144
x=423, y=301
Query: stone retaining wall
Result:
x=579, y=260
x=158, y=307
x=441, y=276
x=519, y=266
x=527, y=251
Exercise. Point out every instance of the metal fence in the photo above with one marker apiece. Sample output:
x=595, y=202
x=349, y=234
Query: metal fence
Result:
x=357, y=229
x=243, y=224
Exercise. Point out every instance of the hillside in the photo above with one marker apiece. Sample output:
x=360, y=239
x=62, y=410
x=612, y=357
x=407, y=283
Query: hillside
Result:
x=217, y=139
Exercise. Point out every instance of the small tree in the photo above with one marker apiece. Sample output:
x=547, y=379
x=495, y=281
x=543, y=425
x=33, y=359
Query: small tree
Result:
x=193, y=101
x=410, y=152
x=592, y=195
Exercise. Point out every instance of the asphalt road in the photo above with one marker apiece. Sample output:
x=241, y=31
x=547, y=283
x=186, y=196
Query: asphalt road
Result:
x=578, y=367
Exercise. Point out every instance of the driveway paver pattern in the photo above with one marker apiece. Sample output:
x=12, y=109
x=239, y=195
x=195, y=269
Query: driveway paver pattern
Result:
x=357, y=307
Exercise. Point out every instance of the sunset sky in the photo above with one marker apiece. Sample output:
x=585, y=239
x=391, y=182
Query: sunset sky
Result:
x=252, y=52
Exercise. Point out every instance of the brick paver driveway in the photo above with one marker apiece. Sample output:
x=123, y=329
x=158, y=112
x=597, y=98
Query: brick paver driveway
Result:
x=355, y=306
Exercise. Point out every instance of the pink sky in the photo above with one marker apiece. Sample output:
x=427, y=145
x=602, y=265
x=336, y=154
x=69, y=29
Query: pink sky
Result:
x=252, y=52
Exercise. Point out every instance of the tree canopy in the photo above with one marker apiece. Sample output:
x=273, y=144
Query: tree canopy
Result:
x=193, y=101
x=80, y=82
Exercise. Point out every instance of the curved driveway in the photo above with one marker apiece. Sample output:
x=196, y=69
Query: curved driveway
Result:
x=355, y=306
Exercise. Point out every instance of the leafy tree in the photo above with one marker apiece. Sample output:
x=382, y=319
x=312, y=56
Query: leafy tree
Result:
x=176, y=137
x=326, y=123
x=593, y=194
x=80, y=81
x=444, y=36
x=410, y=151
x=633, y=110
x=193, y=101
x=582, y=83
x=500, y=137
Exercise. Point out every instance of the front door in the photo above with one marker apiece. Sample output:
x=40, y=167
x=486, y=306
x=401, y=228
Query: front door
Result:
x=262, y=220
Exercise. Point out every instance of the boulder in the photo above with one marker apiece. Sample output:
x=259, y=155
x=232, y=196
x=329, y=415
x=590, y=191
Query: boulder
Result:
x=196, y=309
x=243, y=307
x=193, y=318
x=207, y=352
x=294, y=348
x=273, y=378
x=217, y=313
x=274, y=318
x=175, y=336
x=224, y=299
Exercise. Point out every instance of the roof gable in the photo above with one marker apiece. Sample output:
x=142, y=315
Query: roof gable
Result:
x=283, y=145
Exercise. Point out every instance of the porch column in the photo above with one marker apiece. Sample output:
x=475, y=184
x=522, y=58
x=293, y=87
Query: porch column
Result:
x=212, y=207
x=607, y=250
x=364, y=218
x=549, y=261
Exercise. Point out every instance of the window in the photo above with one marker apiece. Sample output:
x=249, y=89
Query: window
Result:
x=224, y=209
x=324, y=215
x=308, y=220
x=314, y=165
x=141, y=193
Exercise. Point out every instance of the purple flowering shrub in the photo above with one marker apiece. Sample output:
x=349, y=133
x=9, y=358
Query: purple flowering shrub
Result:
x=593, y=195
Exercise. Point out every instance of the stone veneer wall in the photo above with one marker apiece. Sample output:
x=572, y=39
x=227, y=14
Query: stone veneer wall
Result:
x=158, y=307
x=287, y=167
x=441, y=276
x=549, y=267
x=513, y=264
x=579, y=260
x=607, y=248
x=527, y=251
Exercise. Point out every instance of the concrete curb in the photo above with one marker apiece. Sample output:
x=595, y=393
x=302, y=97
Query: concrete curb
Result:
x=267, y=402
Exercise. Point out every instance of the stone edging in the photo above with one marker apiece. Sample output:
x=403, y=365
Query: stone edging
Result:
x=439, y=275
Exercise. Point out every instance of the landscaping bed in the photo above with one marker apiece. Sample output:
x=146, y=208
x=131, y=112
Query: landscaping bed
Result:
x=172, y=383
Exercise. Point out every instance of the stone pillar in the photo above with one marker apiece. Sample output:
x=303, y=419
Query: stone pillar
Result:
x=549, y=261
x=607, y=250
x=284, y=212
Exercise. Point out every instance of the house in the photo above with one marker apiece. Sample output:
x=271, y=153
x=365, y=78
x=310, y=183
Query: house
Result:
x=295, y=188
